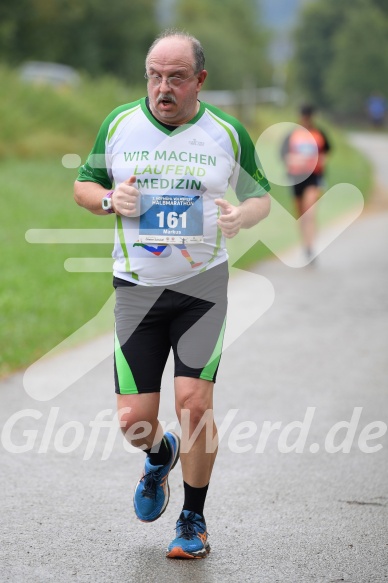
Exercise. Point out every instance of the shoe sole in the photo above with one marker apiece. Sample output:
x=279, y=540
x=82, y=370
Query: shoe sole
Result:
x=179, y=553
x=178, y=442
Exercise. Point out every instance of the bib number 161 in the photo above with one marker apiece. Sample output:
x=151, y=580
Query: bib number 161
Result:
x=172, y=219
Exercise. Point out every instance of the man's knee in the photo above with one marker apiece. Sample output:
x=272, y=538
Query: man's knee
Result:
x=133, y=426
x=137, y=414
x=195, y=413
x=194, y=398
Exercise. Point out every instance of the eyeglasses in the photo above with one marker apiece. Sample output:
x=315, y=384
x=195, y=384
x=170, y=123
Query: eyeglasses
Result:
x=156, y=80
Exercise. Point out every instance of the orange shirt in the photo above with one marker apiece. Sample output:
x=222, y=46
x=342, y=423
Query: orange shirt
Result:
x=304, y=151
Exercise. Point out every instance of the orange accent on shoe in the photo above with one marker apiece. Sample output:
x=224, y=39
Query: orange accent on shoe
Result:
x=179, y=553
x=202, y=536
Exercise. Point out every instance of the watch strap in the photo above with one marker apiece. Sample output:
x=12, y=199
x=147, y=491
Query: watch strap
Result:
x=107, y=207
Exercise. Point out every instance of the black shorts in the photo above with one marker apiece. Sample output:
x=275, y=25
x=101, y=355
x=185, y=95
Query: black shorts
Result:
x=299, y=188
x=188, y=317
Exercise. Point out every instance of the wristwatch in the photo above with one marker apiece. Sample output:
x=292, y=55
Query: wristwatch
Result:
x=107, y=202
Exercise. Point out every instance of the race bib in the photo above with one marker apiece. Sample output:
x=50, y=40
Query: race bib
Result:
x=170, y=219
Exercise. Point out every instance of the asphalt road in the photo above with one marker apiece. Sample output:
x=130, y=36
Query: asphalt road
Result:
x=300, y=487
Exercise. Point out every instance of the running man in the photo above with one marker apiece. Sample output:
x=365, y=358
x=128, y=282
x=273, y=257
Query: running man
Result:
x=163, y=164
x=304, y=152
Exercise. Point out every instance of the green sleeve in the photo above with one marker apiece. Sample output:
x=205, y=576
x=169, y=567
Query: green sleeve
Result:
x=96, y=168
x=251, y=181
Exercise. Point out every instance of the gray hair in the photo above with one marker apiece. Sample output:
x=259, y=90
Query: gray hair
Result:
x=199, y=56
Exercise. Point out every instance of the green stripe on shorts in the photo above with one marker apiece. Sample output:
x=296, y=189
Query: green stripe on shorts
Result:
x=126, y=381
x=208, y=372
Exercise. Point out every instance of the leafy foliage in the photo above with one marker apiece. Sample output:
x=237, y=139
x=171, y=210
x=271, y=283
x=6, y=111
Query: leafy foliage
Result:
x=233, y=40
x=93, y=35
x=341, y=55
x=113, y=38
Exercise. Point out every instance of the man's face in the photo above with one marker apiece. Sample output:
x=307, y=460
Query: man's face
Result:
x=173, y=104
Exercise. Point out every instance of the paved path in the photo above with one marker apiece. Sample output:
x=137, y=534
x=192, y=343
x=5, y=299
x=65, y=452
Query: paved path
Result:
x=318, y=356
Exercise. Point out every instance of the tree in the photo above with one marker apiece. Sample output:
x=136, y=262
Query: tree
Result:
x=93, y=35
x=340, y=57
x=314, y=47
x=233, y=40
x=361, y=63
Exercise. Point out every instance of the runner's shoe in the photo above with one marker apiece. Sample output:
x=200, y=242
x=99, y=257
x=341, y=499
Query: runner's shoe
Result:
x=152, y=491
x=191, y=540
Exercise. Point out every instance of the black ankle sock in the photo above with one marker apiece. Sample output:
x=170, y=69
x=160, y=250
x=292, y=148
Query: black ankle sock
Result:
x=159, y=454
x=194, y=498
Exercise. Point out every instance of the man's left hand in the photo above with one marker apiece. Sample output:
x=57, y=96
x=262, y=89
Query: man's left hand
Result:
x=230, y=220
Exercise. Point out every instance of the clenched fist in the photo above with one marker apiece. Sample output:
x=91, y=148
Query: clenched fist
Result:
x=125, y=199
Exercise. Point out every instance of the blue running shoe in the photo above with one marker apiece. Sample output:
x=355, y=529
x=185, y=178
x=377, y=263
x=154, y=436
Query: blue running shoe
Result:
x=152, y=491
x=191, y=540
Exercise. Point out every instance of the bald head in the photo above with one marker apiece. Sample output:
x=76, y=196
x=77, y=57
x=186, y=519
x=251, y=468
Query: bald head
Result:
x=176, y=40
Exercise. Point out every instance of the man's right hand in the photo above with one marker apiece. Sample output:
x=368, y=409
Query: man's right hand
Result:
x=125, y=199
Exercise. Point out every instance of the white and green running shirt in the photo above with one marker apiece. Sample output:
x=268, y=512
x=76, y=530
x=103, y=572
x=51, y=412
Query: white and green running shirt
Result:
x=179, y=174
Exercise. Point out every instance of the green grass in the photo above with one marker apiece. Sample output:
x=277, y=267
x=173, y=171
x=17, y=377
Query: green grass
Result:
x=41, y=303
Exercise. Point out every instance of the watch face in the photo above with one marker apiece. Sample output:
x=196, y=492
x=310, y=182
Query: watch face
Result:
x=106, y=204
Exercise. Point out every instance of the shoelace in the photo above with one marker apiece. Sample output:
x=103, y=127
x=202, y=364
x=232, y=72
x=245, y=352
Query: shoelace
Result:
x=186, y=527
x=150, y=482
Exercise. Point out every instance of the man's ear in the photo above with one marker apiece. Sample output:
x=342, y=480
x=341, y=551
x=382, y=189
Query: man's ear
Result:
x=201, y=78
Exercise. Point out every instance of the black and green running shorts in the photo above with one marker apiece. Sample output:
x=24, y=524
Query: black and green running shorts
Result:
x=188, y=317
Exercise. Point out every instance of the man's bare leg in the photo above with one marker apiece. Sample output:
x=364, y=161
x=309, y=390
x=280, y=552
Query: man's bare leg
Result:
x=138, y=416
x=307, y=215
x=194, y=407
